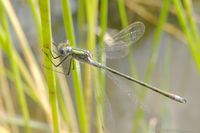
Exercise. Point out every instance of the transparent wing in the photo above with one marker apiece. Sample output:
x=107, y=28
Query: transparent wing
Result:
x=125, y=37
x=116, y=46
x=116, y=53
x=128, y=89
x=109, y=118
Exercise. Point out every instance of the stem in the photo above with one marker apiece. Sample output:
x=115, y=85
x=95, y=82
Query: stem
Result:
x=80, y=102
x=50, y=77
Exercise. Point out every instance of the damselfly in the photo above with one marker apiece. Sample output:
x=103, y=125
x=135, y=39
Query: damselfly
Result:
x=122, y=39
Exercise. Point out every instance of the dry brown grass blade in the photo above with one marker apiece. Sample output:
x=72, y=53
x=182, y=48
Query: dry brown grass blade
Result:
x=41, y=93
x=6, y=97
x=29, y=57
x=68, y=101
x=67, y=97
x=157, y=5
x=36, y=76
x=146, y=15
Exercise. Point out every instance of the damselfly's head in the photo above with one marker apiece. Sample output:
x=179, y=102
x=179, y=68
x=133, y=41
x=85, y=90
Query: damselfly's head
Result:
x=64, y=48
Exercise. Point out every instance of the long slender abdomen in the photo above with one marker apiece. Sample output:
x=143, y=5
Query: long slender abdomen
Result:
x=167, y=94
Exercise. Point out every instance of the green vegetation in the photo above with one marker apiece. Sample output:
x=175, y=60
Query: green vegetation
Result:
x=35, y=98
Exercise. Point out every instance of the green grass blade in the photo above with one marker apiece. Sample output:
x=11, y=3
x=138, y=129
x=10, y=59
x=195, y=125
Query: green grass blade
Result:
x=63, y=109
x=25, y=47
x=191, y=19
x=158, y=33
x=18, y=121
x=91, y=12
x=193, y=44
x=91, y=15
x=17, y=79
x=122, y=13
x=80, y=102
x=81, y=20
x=6, y=92
x=35, y=11
x=47, y=39
x=124, y=21
x=100, y=92
x=139, y=112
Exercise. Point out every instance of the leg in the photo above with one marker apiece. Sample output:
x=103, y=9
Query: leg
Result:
x=54, y=43
x=54, y=57
x=55, y=46
x=56, y=65
x=53, y=69
x=73, y=65
x=70, y=63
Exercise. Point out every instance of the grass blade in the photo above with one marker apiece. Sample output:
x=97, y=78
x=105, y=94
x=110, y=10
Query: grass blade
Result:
x=47, y=39
x=17, y=79
x=80, y=102
x=193, y=43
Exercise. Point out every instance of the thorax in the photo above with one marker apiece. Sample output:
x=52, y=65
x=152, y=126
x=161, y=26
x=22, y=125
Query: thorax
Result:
x=81, y=55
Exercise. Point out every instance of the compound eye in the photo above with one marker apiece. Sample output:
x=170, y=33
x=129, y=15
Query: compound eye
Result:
x=62, y=51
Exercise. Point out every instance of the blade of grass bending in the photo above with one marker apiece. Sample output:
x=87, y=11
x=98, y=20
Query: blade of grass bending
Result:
x=6, y=92
x=26, y=87
x=17, y=79
x=42, y=91
x=80, y=101
x=26, y=51
x=50, y=77
x=28, y=55
x=143, y=12
x=37, y=92
x=18, y=121
x=186, y=29
x=192, y=20
x=35, y=11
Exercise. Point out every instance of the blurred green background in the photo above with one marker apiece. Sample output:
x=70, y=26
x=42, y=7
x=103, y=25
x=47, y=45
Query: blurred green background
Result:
x=34, y=97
